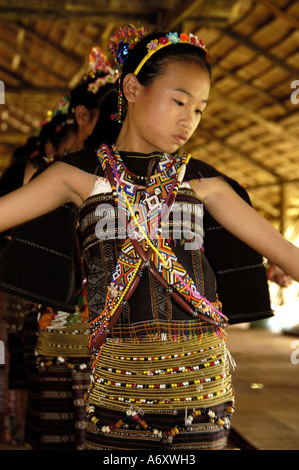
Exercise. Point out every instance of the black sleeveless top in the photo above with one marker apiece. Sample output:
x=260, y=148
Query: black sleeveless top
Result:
x=232, y=269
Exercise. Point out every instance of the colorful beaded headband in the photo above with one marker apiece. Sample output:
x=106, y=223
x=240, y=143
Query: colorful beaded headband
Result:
x=98, y=64
x=167, y=40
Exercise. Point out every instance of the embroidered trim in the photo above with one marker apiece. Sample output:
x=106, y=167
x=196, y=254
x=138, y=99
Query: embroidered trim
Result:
x=253, y=266
x=40, y=247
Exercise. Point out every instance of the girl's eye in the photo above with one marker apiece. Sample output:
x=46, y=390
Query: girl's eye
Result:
x=179, y=103
x=198, y=111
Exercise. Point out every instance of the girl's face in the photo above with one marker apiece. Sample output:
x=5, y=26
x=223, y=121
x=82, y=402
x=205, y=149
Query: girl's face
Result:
x=166, y=113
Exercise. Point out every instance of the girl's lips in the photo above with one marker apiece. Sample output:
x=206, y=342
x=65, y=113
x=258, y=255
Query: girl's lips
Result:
x=180, y=139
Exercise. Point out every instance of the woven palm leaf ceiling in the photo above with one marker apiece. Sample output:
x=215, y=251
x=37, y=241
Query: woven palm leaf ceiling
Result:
x=250, y=129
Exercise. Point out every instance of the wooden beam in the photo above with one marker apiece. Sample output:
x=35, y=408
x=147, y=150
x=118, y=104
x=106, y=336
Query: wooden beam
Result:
x=279, y=12
x=30, y=59
x=241, y=81
x=211, y=136
x=31, y=33
x=105, y=35
x=103, y=42
x=247, y=42
x=267, y=207
x=14, y=75
x=31, y=91
x=214, y=11
x=171, y=19
x=242, y=109
x=259, y=203
x=26, y=95
x=65, y=16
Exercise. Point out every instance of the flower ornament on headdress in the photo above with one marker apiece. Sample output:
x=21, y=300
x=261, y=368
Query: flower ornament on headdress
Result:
x=60, y=109
x=99, y=69
x=63, y=105
x=123, y=40
x=97, y=61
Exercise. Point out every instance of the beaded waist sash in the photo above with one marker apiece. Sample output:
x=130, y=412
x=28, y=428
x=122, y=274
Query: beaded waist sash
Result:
x=64, y=334
x=158, y=375
x=67, y=342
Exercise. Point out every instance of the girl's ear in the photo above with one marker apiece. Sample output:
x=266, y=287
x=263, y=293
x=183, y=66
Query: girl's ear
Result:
x=82, y=115
x=131, y=87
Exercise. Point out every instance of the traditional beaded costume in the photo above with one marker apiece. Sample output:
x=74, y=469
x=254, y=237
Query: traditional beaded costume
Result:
x=159, y=369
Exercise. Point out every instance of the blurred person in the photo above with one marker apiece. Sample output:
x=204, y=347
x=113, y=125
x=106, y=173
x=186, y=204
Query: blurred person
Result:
x=53, y=278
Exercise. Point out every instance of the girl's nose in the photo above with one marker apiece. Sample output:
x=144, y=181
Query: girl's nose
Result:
x=186, y=125
x=186, y=121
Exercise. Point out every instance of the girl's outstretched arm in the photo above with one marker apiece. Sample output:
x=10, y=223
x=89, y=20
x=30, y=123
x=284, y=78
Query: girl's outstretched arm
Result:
x=57, y=185
x=248, y=225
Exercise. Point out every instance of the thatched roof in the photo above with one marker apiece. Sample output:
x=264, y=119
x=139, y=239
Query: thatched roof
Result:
x=250, y=129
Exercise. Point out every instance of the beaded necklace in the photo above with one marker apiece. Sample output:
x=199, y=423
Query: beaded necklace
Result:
x=142, y=250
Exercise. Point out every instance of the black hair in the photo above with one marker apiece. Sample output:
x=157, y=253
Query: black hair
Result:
x=55, y=131
x=156, y=65
x=104, y=99
x=106, y=130
x=82, y=96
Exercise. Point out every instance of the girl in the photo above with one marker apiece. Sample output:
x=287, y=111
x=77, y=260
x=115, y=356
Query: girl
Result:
x=17, y=316
x=160, y=372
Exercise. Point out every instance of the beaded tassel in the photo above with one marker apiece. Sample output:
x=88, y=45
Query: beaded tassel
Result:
x=118, y=116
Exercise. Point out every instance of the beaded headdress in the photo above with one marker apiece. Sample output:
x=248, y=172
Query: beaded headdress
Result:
x=99, y=69
x=168, y=40
x=125, y=39
x=121, y=42
x=60, y=109
x=63, y=105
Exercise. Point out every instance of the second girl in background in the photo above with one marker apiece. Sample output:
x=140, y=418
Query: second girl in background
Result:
x=52, y=276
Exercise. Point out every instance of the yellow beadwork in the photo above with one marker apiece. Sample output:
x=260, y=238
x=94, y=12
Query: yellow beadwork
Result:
x=172, y=38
